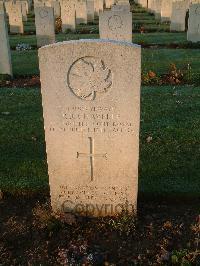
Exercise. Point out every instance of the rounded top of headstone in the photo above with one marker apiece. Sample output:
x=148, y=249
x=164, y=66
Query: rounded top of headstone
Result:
x=97, y=41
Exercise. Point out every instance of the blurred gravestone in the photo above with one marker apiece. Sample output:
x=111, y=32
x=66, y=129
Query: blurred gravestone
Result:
x=45, y=28
x=81, y=11
x=5, y=59
x=116, y=25
x=68, y=15
x=193, y=33
x=16, y=18
x=179, y=9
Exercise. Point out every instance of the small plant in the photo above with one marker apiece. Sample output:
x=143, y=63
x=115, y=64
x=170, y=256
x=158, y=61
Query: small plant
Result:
x=174, y=76
x=142, y=30
x=58, y=25
x=124, y=223
x=150, y=78
x=196, y=230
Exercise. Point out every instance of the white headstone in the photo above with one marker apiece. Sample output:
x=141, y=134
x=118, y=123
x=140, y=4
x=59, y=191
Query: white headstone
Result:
x=38, y=3
x=157, y=11
x=16, y=19
x=81, y=11
x=179, y=9
x=143, y=3
x=90, y=10
x=116, y=25
x=24, y=9
x=166, y=10
x=91, y=108
x=193, y=33
x=45, y=27
x=121, y=7
x=68, y=15
x=96, y=7
x=56, y=7
x=5, y=58
x=2, y=8
x=109, y=3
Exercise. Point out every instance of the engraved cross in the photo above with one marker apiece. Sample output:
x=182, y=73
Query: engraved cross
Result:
x=91, y=156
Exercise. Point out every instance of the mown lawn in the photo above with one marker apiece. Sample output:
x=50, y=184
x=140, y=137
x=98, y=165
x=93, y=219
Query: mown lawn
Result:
x=25, y=63
x=169, y=163
x=164, y=38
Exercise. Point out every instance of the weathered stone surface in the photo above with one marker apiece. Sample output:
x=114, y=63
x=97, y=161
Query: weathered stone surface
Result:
x=45, y=28
x=90, y=10
x=81, y=11
x=2, y=8
x=109, y=3
x=193, y=33
x=16, y=18
x=179, y=9
x=123, y=6
x=68, y=15
x=56, y=7
x=5, y=59
x=91, y=110
x=23, y=9
x=166, y=10
x=116, y=25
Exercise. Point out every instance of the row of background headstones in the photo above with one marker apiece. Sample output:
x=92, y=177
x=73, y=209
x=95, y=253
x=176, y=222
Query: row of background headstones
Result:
x=71, y=12
x=84, y=11
x=115, y=23
x=119, y=28
x=177, y=12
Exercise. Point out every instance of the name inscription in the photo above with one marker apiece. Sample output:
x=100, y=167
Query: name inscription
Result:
x=93, y=120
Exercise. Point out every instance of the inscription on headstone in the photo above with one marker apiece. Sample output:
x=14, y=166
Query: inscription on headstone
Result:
x=91, y=109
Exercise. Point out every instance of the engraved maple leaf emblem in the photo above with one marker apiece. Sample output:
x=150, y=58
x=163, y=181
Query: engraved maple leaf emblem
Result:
x=89, y=78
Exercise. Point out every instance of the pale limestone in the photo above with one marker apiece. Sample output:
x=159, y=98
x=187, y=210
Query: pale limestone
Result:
x=121, y=7
x=96, y=8
x=116, y=25
x=56, y=7
x=81, y=11
x=38, y=4
x=45, y=28
x=8, y=6
x=90, y=10
x=193, y=33
x=5, y=58
x=143, y=3
x=16, y=18
x=68, y=15
x=179, y=9
x=157, y=9
x=109, y=3
x=23, y=9
x=166, y=10
x=2, y=9
x=91, y=107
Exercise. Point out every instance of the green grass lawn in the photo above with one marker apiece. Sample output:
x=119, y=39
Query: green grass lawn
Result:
x=169, y=164
x=164, y=38
x=25, y=63
x=158, y=60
